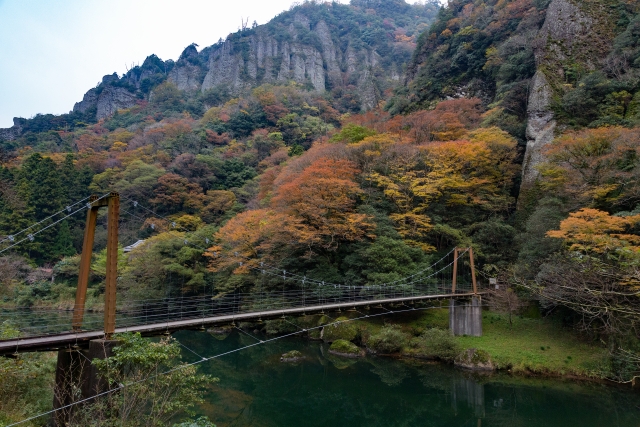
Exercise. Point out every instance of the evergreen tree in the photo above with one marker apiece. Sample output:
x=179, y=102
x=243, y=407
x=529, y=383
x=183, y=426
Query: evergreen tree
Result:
x=63, y=244
x=40, y=187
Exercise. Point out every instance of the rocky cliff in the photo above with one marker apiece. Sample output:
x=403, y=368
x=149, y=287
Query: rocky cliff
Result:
x=260, y=58
x=576, y=34
x=321, y=46
x=9, y=134
x=107, y=98
x=537, y=65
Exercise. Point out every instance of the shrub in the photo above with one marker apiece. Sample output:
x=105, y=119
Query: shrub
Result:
x=390, y=339
x=437, y=344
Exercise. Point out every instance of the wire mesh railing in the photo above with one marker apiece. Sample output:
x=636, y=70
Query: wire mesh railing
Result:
x=34, y=323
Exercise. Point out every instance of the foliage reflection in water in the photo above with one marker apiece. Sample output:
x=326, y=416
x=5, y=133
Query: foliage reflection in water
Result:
x=257, y=389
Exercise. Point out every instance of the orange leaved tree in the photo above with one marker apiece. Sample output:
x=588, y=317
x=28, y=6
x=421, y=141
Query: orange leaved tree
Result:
x=596, y=232
x=323, y=198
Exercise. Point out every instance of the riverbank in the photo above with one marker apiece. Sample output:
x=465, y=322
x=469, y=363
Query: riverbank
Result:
x=529, y=347
x=257, y=388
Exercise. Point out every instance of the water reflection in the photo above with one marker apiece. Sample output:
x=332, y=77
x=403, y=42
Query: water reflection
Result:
x=256, y=389
x=470, y=392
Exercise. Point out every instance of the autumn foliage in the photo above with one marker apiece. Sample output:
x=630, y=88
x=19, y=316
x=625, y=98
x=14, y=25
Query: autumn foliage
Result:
x=594, y=231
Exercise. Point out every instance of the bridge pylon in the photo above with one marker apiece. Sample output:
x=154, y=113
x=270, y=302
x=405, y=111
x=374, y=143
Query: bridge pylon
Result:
x=465, y=317
x=457, y=253
x=112, y=203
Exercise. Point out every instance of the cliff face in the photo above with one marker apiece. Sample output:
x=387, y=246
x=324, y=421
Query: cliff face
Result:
x=321, y=46
x=106, y=99
x=575, y=34
x=261, y=58
x=187, y=74
x=9, y=134
x=241, y=63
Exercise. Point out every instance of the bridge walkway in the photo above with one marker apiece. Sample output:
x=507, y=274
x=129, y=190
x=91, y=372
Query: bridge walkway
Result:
x=82, y=338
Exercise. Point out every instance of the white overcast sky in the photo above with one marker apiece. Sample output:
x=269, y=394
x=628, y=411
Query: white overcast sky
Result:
x=53, y=51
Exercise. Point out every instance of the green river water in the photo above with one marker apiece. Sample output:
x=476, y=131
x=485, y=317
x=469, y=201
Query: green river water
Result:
x=257, y=389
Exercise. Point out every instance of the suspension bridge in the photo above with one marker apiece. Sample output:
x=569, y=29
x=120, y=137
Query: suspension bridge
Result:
x=42, y=330
x=452, y=277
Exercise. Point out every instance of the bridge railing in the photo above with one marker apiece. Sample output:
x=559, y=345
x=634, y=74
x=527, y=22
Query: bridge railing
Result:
x=291, y=295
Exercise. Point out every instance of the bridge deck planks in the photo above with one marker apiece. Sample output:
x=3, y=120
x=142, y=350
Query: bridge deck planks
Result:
x=69, y=339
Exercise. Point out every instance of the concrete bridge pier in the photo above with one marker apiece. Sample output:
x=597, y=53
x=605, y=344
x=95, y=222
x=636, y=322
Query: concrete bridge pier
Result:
x=77, y=378
x=465, y=317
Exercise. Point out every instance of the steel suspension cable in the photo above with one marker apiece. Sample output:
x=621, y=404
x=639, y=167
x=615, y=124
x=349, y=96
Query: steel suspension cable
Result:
x=12, y=237
x=31, y=236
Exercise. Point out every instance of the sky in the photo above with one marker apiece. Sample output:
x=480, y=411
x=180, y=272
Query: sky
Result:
x=53, y=51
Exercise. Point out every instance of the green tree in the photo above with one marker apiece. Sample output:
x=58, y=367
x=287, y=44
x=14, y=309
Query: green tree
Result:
x=63, y=244
x=157, y=386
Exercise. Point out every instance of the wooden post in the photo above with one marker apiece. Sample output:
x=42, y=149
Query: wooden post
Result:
x=473, y=272
x=112, y=265
x=85, y=265
x=455, y=270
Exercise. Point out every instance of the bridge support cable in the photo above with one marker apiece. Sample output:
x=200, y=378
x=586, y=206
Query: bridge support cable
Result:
x=288, y=275
x=68, y=209
x=31, y=236
x=297, y=291
x=265, y=266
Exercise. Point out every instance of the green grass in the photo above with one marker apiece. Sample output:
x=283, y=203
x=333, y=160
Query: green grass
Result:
x=531, y=346
x=537, y=346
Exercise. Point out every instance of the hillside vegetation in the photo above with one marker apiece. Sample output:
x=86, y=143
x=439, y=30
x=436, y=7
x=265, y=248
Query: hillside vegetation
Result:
x=306, y=170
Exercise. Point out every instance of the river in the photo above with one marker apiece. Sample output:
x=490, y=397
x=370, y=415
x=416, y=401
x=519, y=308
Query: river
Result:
x=256, y=389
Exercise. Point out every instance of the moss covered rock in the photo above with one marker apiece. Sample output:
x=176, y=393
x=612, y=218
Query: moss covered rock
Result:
x=291, y=356
x=315, y=334
x=279, y=326
x=345, y=348
x=221, y=330
x=341, y=329
x=474, y=359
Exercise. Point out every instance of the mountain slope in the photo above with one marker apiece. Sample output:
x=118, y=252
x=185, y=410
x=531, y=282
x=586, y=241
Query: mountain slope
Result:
x=536, y=63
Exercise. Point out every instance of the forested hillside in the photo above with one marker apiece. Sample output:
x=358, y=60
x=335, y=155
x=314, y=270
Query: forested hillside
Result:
x=356, y=144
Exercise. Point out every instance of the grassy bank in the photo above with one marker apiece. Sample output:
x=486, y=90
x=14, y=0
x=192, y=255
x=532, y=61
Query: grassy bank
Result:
x=529, y=347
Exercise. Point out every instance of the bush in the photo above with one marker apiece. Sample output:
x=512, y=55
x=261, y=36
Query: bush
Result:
x=390, y=339
x=436, y=344
x=26, y=384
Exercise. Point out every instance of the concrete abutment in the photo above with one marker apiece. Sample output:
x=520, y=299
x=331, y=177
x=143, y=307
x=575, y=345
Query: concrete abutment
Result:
x=465, y=317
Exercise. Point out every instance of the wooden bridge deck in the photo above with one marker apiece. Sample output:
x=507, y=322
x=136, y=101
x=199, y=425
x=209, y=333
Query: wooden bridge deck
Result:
x=82, y=338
